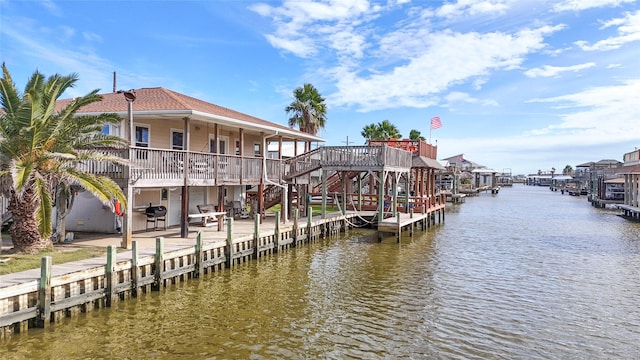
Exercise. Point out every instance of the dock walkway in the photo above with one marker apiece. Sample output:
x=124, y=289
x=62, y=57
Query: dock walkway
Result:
x=146, y=243
x=404, y=221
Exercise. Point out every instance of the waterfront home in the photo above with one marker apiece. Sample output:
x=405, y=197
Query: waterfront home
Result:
x=184, y=153
x=631, y=173
x=192, y=162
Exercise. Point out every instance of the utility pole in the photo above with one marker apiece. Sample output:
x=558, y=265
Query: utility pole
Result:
x=347, y=142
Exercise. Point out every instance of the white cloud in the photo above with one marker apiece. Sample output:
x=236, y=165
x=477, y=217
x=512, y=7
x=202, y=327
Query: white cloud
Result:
x=95, y=71
x=473, y=7
x=628, y=30
x=52, y=7
x=577, y=5
x=445, y=59
x=549, y=71
x=455, y=98
x=605, y=113
x=91, y=36
x=298, y=22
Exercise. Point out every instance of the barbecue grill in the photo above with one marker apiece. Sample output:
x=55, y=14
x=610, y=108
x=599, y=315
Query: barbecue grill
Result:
x=154, y=215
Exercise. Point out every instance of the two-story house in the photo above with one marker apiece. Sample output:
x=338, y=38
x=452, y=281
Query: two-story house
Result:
x=184, y=152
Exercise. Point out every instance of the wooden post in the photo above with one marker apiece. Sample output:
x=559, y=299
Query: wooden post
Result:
x=407, y=192
x=324, y=194
x=256, y=235
x=295, y=226
x=399, y=226
x=360, y=192
x=343, y=184
x=309, y=218
x=276, y=234
x=110, y=275
x=381, y=196
x=159, y=263
x=135, y=269
x=229, y=248
x=199, y=256
x=44, y=292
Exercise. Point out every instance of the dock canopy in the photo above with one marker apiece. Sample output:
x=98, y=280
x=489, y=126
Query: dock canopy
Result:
x=425, y=162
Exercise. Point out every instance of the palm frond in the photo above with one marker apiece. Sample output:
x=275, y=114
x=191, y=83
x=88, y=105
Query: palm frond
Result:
x=102, y=187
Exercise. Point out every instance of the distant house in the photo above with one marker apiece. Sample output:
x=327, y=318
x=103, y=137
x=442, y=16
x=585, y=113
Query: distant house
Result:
x=483, y=177
x=631, y=173
x=480, y=176
x=459, y=163
x=603, y=171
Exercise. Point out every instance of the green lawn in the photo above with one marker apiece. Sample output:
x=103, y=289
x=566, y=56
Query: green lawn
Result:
x=59, y=255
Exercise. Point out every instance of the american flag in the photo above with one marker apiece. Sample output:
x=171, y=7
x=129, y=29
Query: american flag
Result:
x=435, y=122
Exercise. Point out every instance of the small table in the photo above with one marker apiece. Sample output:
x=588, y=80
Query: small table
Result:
x=205, y=216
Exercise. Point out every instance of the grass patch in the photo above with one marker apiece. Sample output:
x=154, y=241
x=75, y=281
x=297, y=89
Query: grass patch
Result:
x=22, y=262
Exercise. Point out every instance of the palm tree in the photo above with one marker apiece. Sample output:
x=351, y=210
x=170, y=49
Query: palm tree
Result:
x=568, y=170
x=308, y=111
x=383, y=130
x=370, y=132
x=415, y=135
x=43, y=148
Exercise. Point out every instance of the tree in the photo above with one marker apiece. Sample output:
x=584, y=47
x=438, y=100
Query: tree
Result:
x=568, y=170
x=43, y=148
x=415, y=135
x=308, y=111
x=370, y=132
x=383, y=130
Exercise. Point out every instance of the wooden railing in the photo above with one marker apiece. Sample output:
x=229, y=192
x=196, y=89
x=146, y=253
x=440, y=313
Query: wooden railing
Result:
x=348, y=158
x=105, y=167
x=370, y=201
x=155, y=167
x=416, y=147
x=302, y=164
x=333, y=182
x=151, y=165
x=272, y=195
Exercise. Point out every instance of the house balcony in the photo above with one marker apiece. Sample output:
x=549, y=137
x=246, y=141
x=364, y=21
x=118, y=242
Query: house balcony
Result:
x=161, y=167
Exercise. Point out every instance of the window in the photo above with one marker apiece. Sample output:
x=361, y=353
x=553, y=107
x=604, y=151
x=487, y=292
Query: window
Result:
x=223, y=147
x=177, y=140
x=237, y=147
x=110, y=129
x=212, y=145
x=256, y=150
x=142, y=136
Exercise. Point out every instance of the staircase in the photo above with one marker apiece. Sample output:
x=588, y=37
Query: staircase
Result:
x=302, y=164
x=272, y=195
x=333, y=182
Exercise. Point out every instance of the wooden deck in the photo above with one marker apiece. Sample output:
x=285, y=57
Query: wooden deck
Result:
x=404, y=221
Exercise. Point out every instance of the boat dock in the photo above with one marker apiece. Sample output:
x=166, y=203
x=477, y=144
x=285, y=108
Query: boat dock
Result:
x=408, y=222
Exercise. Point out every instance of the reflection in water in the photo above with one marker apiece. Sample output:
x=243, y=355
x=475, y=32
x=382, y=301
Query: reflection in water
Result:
x=527, y=273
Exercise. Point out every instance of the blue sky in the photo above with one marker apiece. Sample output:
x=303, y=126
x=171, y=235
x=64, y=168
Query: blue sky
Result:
x=524, y=85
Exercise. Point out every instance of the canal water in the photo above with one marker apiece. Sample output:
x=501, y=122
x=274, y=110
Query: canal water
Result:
x=524, y=274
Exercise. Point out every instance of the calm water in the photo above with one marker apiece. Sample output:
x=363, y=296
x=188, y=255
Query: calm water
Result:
x=525, y=274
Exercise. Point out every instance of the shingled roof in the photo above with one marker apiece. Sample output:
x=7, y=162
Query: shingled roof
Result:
x=161, y=101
